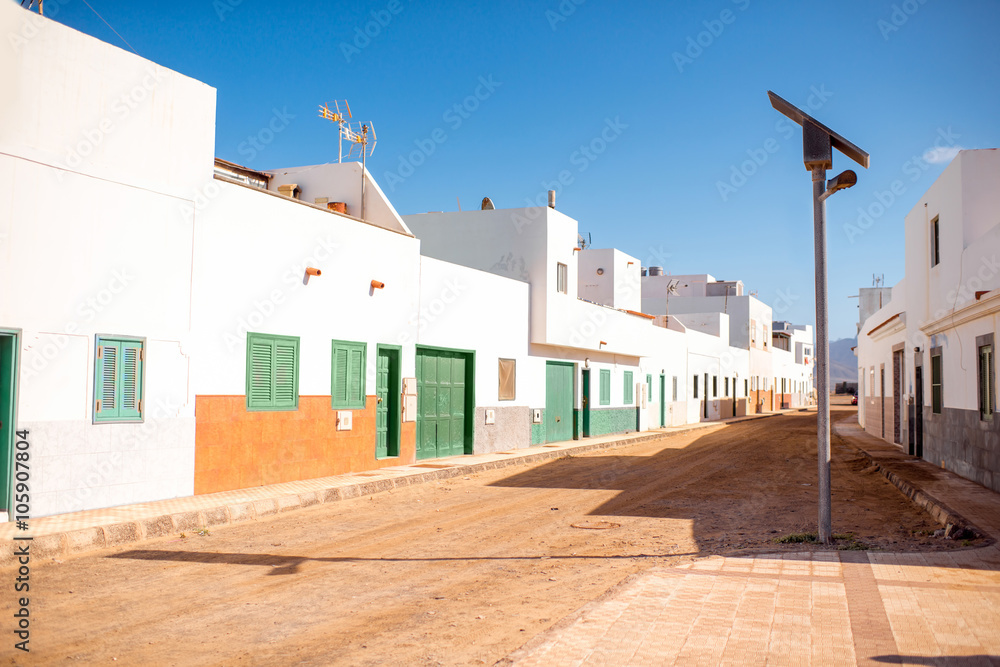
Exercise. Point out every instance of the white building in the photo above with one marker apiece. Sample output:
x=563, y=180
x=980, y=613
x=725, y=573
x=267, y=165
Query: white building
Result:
x=183, y=325
x=760, y=383
x=926, y=372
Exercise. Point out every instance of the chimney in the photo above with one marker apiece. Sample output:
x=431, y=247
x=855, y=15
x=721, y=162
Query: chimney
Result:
x=552, y=199
x=289, y=190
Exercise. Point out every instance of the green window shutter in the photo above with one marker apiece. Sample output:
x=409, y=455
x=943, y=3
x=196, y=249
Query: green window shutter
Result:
x=628, y=388
x=936, y=384
x=130, y=380
x=357, y=377
x=605, y=387
x=348, y=375
x=107, y=380
x=339, y=388
x=259, y=390
x=286, y=373
x=649, y=383
x=272, y=372
x=118, y=380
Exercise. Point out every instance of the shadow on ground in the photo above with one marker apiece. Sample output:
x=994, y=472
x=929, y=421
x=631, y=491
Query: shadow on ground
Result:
x=743, y=485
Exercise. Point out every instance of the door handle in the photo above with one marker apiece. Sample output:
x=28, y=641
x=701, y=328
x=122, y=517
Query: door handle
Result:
x=558, y=419
x=378, y=400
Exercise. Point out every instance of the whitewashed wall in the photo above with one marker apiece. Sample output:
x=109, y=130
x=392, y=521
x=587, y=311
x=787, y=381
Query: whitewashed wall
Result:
x=101, y=157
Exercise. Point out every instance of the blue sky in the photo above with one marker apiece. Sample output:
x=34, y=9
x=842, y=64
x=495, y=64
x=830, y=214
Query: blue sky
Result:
x=650, y=119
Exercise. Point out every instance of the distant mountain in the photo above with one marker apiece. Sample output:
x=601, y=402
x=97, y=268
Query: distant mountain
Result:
x=843, y=363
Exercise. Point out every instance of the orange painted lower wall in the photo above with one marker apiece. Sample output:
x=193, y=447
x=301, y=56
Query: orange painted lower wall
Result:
x=237, y=449
x=756, y=399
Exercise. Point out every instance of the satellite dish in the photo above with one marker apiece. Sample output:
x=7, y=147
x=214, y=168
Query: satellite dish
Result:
x=488, y=204
x=672, y=286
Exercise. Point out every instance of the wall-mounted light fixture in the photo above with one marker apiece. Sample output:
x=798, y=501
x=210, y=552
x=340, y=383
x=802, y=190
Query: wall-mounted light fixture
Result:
x=600, y=272
x=586, y=362
x=377, y=284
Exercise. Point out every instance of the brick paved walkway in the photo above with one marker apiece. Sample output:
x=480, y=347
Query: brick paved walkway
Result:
x=818, y=608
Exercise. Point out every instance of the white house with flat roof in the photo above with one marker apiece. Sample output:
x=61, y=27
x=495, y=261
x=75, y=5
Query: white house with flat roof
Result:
x=926, y=364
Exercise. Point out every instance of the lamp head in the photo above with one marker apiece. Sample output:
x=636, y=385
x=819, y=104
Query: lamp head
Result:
x=841, y=181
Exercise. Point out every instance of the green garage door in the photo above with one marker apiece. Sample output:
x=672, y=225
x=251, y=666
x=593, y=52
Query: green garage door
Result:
x=558, y=401
x=444, y=398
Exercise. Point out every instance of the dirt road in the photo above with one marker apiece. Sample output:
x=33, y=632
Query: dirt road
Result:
x=456, y=572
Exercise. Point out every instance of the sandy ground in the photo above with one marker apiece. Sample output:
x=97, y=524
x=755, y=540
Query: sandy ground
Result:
x=456, y=572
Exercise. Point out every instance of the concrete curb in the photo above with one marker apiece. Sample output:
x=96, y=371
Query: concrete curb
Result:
x=83, y=540
x=955, y=525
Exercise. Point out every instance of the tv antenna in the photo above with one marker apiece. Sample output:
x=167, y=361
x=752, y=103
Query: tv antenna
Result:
x=583, y=243
x=335, y=115
x=360, y=141
x=878, y=281
x=360, y=136
x=365, y=146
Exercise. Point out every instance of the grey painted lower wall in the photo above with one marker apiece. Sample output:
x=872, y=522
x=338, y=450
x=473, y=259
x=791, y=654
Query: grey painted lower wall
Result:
x=967, y=445
x=512, y=429
x=78, y=466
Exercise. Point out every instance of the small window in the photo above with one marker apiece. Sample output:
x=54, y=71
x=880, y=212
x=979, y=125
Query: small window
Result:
x=507, y=374
x=935, y=382
x=562, y=278
x=935, y=242
x=605, y=398
x=695, y=385
x=986, y=389
x=649, y=384
x=725, y=383
x=674, y=394
x=628, y=388
x=746, y=388
x=348, y=375
x=715, y=386
x=118, y=375
x=272, y=372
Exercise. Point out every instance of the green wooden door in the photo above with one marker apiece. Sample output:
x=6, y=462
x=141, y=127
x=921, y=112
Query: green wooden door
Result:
x=441, y=399
x=387, y=392
x=558, y=401
x=382, y=404
x=663, y=400
x=8, y=378
x=586, y=403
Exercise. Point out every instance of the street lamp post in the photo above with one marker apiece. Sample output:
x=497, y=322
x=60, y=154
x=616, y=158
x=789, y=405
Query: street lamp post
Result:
x=818, y=142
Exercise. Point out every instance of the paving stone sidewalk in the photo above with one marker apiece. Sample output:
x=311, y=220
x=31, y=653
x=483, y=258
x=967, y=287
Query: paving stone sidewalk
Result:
x=809, y=608
x=80, y=532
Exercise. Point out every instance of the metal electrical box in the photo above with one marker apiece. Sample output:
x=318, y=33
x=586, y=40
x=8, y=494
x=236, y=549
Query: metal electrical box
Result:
x=345, y=420
x=409, y=399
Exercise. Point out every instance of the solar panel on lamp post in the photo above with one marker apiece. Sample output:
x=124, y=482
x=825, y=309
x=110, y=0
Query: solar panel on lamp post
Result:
x=818, y=142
